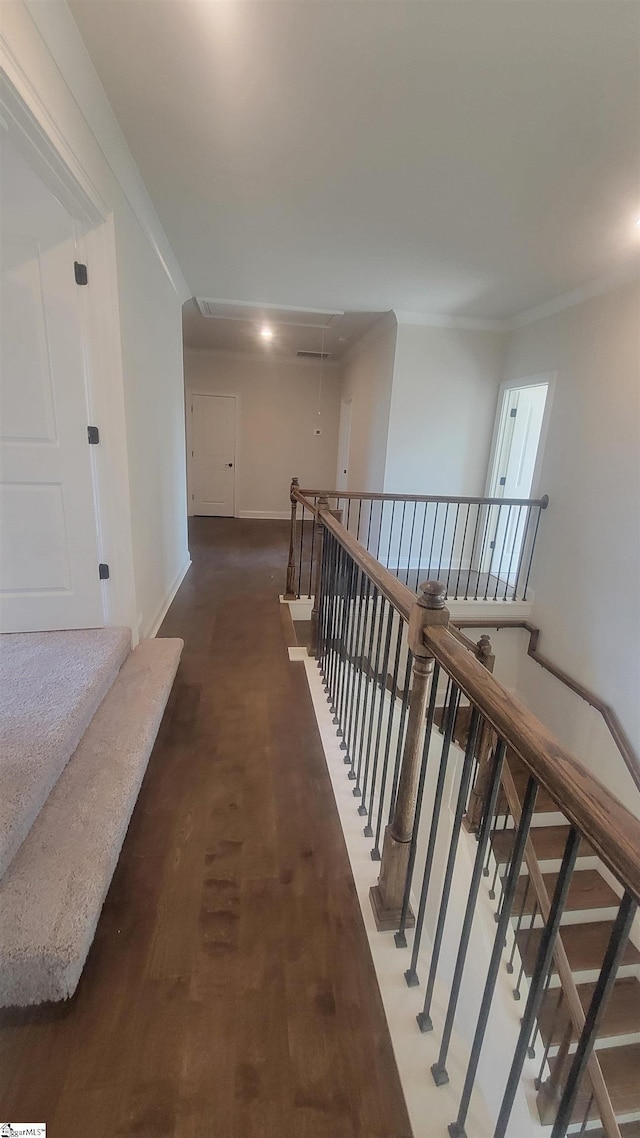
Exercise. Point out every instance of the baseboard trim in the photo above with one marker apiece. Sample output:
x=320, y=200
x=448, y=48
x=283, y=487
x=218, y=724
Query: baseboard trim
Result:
x=163, y=609
x=272, y=515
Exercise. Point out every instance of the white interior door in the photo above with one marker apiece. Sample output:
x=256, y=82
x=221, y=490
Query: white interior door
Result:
x=344, y=442
x=213, y=454
x=48, y=537
x=522, y=415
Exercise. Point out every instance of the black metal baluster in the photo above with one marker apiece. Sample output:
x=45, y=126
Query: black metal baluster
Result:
x=453, y=546
x=346, y=646
x=302, y=513
x=433, y=536
x=444, y=534
x=485, y=533
x=492, y=551
x=552, y=1027
x=397, y=569
x=504, y=546
x=359, y=519
x=357, y=791
x=348, y=513
x=360, y=665
x=327, y=552
x=456, y=1129
x=411, y=974
x=400, y=937
x=375, y=852
x=514, y=541
x=313, y=539
x=451, y=857
x=382, y=506
x=393, y=513
x=462, y=549
x=424, y=523
x=404, y=708
x=382, y=681
x=424, y=1022
x=362, y=809
x=523, y=905
x=531, y=552
x=606, y=979
x=472, y=554
x=413, y=523
x=337, y=633
x=332, y=617
x=541, y=973
x=363, y=588
x=322, y=604
x=586, y=1116
x=347, y=570
x=522, y=553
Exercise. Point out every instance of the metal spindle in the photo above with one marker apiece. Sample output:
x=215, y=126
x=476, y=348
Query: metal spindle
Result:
x=359, y=666
x=400, y=937
x=513, y=549
x=404, y=509
x=541, y=973
x=353, y=573
x=462, y=549
x=433, y=535
x=411, y=975
x=393, y=512
x=375, y=852
x=523, y=905
x=444, y=534
x=453, y=546
x=451, y=857
x=424, y=522
x=404, y=708
x=363, y=588
x=552, y=1028
x=606, y=979
x=424, y=1022
x=413, y=522
x=533, y=545
x=362, y=809
x=368, y=829
x=485, y=533
x=357, y=790
x=456, y=1129
x=524, y=953
x=504, y=546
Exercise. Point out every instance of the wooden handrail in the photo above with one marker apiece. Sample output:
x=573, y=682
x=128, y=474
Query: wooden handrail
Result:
x=618, y=733
x=613, y=832
x=374, y=496
x=611, y=829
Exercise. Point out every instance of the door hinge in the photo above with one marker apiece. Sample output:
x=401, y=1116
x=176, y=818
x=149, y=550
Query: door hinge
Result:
x=103, y=571
x=81, y=275
x=513, y=412
x=503, y=481
x=94, y=435
x=492, y=545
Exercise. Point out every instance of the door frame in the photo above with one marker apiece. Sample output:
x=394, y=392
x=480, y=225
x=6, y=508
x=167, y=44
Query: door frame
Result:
x=344, y=403
x=49, y=151
x=507, y=385
x=236, y=444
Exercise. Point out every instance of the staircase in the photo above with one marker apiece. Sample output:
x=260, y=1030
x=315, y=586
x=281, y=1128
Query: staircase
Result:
x=586, y=926
x=79, y=713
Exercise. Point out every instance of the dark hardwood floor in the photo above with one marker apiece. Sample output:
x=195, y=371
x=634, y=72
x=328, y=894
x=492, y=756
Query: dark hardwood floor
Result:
x=229, y=992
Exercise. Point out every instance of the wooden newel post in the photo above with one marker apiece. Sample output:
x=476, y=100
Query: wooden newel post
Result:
x=386, y=897
x=290, y=591
x=323, y=504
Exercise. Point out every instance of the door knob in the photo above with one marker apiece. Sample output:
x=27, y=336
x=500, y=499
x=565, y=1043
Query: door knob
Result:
x=229, y=464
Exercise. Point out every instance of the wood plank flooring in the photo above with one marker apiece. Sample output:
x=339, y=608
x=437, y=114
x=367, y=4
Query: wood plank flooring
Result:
x=229, y=992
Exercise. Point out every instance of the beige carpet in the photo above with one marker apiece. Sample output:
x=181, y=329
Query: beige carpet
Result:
x=51, y=685
x=52, y=894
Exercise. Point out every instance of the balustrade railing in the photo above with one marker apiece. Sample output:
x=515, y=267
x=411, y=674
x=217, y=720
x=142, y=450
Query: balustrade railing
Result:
x=423, y=724
x=479, y=548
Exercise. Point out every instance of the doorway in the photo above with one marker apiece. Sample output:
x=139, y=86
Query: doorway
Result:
x=344, y=442
x=49, y=556
x=213, y=455
x=521, y=423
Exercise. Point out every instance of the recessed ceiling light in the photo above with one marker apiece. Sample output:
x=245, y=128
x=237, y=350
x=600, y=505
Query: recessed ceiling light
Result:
x=266, y=332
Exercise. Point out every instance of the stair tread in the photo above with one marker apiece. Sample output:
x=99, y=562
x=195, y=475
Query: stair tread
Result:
x=588, y=890
x=627, y=1130
x=51, y=685
x=548, y=843
x=620, y=1070
x=585, y=946
x=52, y=894
x=621, y=1016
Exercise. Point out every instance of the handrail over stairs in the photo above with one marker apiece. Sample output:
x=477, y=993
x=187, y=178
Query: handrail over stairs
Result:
x=363, y=617
x=608, y=713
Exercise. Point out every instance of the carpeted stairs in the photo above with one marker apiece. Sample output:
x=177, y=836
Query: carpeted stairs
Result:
x=79, y=713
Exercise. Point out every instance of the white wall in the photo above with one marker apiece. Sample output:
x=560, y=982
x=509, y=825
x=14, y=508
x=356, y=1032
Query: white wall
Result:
x=367, y=376
x=278, y=408
x=443, y=405
x=45, y=57
x=586, y=571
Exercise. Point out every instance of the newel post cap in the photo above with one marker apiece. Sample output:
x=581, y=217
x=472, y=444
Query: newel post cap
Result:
x=432, y=595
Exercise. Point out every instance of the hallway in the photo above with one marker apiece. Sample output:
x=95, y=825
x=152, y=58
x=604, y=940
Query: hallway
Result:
x=229, y=992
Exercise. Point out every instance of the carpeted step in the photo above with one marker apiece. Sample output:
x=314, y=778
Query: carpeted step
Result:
x=52, y=894
x=51, y=685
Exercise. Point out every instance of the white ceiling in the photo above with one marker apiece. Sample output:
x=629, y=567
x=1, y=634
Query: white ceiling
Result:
x=472, y=157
